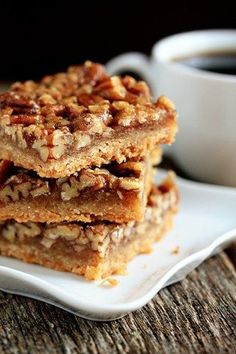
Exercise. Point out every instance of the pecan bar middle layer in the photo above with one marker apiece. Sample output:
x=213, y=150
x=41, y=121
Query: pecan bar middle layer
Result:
x=116, y=192
x=81, y=118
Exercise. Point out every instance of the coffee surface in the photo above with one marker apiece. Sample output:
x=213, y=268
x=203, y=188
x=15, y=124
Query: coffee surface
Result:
x=218, y=62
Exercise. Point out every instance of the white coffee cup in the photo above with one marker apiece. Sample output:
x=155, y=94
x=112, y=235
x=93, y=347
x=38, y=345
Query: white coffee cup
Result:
x=205, y=146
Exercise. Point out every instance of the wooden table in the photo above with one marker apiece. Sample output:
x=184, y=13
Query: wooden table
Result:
x=197, y=315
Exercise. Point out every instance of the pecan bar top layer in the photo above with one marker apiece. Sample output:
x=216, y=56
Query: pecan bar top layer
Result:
x=81, y=118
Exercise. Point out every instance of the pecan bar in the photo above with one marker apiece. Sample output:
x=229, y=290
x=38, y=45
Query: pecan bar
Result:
x=93, y=250
x=114, y=192
x=81, y=118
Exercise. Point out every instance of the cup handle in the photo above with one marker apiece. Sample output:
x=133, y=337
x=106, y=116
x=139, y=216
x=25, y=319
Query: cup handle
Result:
x=136, y=62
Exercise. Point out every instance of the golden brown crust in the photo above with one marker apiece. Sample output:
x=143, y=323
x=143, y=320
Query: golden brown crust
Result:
x=54, y=122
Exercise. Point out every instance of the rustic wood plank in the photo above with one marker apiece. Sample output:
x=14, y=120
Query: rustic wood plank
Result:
x=197, y=315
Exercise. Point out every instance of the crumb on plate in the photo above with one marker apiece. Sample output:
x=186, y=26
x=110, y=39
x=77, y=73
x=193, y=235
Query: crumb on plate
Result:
x=175, y=250
x=111, y=282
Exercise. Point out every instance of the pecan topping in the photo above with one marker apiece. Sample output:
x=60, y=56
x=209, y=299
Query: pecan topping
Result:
x=66, y=110
x=22, y=186
x=18, y=183
x=19, y=102
x=100, y=178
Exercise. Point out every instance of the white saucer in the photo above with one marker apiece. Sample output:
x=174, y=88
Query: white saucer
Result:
x=206, y=223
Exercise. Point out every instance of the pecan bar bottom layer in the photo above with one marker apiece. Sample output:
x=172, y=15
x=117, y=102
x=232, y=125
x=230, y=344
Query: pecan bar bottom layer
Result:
x=94, y=251
x=87, y=263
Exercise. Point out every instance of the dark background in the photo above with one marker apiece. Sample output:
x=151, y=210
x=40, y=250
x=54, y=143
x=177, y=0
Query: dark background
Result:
x=45, y=37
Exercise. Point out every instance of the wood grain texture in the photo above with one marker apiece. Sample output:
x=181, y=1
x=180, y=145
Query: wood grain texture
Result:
x=197, y=315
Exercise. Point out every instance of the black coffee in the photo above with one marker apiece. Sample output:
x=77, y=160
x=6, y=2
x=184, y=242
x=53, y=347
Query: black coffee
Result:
x=218, y=62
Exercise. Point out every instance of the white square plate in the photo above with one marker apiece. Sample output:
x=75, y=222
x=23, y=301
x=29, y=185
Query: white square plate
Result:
x=205, y=224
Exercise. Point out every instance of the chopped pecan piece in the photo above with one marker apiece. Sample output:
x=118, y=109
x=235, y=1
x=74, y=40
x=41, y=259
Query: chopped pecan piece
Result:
x=111, y=89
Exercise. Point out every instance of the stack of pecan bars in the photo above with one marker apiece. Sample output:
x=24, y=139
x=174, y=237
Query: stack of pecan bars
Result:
x=77, y=152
